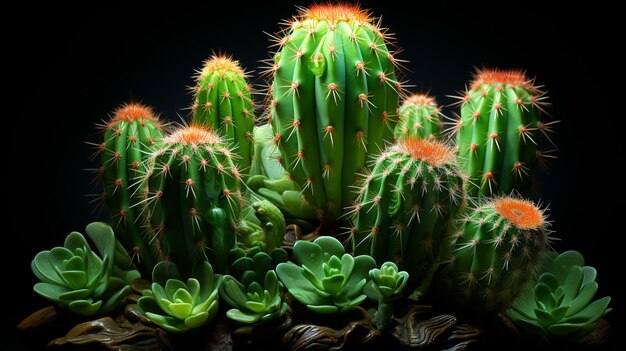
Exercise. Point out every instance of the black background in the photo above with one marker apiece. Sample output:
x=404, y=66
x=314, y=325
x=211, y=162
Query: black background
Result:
x=79, y=64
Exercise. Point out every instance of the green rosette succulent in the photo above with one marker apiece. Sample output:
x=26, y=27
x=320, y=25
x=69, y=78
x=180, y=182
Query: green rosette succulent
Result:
x=253, y=290
x=325, y=278
x=179, y=307
x=385, y=286
x=81, y=281
x=559, y=304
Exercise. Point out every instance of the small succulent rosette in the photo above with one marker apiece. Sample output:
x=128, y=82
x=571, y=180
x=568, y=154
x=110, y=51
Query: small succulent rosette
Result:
x=326, y=279
x=386, y=285
x=177, y=306
x=81, y=281
x=559, y=304
x=253, y=289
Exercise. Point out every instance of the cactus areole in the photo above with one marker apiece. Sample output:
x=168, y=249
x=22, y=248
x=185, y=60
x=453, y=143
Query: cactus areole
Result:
x=334, y=98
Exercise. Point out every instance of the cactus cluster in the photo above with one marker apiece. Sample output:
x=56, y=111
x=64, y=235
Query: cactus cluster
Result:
x=405, y=206
x=499, y=132
x=334, y=98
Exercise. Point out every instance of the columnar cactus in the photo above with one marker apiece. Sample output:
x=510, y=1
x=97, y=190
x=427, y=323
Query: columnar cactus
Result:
x=419, y=117
x=498, y=247
x=128, y=136
x=194, y=197
x=406, y=204
x=334, y=98
x=499, y=131
x=223, y=102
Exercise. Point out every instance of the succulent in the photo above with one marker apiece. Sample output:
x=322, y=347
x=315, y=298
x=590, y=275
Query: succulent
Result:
x=558, y=304
x=128, y=135
x=263, y=225
x=419, y=118
x=78, y=279
x=386, y=285
x=176, y=306
x=495, y=251
x=333, y=101
x=194, y=198
x=223, y=102
x=406, y=205
x=253, y=289
x=499, y=132
x=325, y=279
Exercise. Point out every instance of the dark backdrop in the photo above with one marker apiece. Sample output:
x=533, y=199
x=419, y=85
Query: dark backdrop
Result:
x=74, y=69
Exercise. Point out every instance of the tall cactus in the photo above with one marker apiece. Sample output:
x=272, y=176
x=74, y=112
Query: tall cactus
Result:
x=497, y=248
x=223, y=102
x=334, y=100
x=194, y=198
x=419, y=117
x=128, y=136
x=406, y=205
x=499, y=131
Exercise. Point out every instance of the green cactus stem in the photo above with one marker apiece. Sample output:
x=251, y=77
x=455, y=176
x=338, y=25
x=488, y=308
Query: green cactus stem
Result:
x=499, y=132
x=334, y=99
x=194, y=198
x=128, y=136
x=223, y=102
x=419, y=117
x=498, y=247
x=406, y=205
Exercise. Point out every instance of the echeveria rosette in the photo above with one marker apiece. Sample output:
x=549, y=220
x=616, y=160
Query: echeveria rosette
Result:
x=325, y=278
x=177, y=306
x=78, y=279
x=385, y=286
x=559, y=304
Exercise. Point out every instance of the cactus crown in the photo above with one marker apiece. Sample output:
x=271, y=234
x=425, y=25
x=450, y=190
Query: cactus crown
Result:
x=521, y=213
x=335, y=12
x=222, y=64
x=133, y=111
x=193, y=134
x=420, y=100
x=434, y=153
x=511, y=77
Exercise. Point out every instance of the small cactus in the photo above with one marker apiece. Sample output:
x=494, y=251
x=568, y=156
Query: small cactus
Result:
x=223, y=102
x=499, y=131
x=406, y=205
x=128, y=136
x=498, y=247
x=194, y=198
x=419, y=117
x=334, y=98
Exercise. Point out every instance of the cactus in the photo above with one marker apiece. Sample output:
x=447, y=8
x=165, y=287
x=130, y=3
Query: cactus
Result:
x=419, y=117
x=498, y=247
x=406, y=205
x=194, y=197
x=128, y=136
x=223, y=102
x=499, y=132
x=334, y=98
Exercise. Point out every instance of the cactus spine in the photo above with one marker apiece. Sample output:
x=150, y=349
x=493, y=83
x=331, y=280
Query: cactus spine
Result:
x=499, y=131
x=334, y=98
x=128, y=136
x=194, y=197
x=223, y=102
x=497, y=248
x=419, y=117
x=404, y=209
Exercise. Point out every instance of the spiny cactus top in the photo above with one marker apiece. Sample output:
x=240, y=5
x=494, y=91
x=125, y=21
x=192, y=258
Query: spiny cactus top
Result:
x=405, y=206
x=223, y=102
x=419, y=117
x=194, y=197
x=334, y=100
x=498, y=247
x=499, y=131
x=128, y=136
